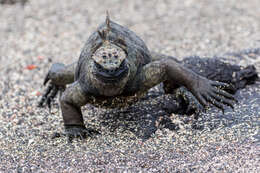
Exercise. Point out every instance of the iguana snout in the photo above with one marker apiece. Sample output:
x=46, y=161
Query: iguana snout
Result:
x=110, y=62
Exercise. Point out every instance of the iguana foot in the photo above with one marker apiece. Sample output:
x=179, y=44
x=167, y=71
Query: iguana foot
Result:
x=79, y=132
x=189, y=103
x=53, y=78
x=72, y=132
x=48, y=96
x=213, y=92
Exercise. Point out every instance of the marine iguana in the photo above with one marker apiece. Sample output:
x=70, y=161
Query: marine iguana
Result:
x=115, y=68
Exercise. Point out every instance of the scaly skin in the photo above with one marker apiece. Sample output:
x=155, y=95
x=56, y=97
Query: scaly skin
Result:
x=141, y=71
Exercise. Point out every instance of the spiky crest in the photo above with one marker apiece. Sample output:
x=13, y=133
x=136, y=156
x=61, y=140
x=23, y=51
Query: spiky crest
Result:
x=104, y=33
x=108, y=21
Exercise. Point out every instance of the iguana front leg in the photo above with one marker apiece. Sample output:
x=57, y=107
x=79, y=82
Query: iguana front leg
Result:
x=167, y=69
x=70, y=102
x=58, y=77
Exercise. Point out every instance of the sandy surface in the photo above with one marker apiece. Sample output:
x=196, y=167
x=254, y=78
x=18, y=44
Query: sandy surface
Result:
x=46, y=31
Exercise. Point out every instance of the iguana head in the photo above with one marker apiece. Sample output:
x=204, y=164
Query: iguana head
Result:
x=109, y=58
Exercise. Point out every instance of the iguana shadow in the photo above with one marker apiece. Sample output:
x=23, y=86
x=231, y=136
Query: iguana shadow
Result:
x=154, y=112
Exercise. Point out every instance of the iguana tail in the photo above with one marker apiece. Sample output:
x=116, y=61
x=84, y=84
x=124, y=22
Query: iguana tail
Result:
x=218, y=70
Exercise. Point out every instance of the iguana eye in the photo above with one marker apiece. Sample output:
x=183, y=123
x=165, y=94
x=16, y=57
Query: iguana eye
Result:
x=122, y=65
x=98, y=65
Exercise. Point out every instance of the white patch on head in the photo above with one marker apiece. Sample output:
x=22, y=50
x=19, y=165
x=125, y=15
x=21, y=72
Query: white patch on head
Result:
x=109, y=56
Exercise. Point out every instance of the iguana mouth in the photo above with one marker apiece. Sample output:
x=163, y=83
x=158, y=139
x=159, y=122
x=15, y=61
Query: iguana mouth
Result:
x=111, y=75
